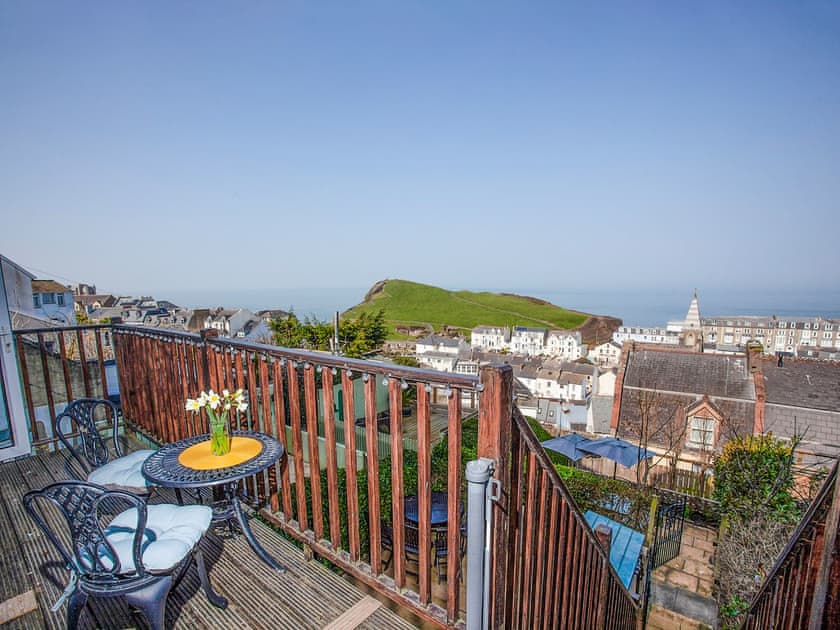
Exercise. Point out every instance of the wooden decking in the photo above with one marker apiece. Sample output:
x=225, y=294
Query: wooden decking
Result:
x=307, y=595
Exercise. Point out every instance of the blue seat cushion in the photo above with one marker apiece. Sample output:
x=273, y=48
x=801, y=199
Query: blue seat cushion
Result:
x=122, y=472
x=171, y=533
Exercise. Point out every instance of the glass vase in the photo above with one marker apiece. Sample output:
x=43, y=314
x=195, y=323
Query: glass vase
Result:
x=220, y=437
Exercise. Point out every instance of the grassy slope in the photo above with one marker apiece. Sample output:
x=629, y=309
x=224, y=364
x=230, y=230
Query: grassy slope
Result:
x=412, y=303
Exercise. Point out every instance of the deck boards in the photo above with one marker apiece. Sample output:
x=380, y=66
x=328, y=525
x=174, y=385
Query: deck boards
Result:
x=307, y=595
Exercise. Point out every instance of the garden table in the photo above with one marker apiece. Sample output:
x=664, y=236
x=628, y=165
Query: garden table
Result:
x=188, y=463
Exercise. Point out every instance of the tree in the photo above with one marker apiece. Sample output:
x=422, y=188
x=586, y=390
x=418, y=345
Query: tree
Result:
x=661, y=423
x=357, y=337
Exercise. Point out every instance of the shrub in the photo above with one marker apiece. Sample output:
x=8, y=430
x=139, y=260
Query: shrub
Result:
x=620, y=500
x=754, y=473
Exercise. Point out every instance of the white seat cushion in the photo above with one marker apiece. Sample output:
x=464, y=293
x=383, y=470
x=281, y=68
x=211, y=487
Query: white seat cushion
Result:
x=171, y=533
x=125, y=472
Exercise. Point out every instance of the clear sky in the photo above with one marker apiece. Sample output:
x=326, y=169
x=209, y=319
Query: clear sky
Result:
x=149, y=146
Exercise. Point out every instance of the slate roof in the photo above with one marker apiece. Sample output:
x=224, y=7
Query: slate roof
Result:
x=587, y=369
x=803, y=383
x=106, y=299
x=695, y=373
x=438, y=340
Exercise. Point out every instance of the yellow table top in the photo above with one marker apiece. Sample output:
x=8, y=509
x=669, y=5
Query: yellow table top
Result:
x=199, y=457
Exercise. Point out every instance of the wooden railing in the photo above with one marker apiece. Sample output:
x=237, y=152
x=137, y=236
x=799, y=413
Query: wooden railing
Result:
x=336, y=511
x=548, y=569
x=803, y=588
x=558, y=574
x=58, y=365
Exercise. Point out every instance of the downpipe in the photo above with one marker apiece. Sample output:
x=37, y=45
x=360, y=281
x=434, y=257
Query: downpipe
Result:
x=481, y=492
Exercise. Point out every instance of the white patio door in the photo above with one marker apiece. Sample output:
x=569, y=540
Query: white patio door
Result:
x=14, y=433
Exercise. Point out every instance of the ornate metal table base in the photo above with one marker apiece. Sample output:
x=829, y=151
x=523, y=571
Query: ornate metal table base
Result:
x=229, y=511
x=165, y=469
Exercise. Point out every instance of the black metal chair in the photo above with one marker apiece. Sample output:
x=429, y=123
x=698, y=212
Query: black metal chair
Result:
x=441, y=543
x=140, y=554
x=76, y=429
x=386, y=534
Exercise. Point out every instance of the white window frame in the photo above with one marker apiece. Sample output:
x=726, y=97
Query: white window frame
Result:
x=702, y=427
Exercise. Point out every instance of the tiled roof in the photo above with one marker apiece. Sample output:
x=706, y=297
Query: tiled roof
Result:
x=690, y=373
x=803, y=383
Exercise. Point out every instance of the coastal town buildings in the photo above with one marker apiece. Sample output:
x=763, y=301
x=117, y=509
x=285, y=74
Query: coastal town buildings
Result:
x=606, y=355
x=813, y=337
x=563, y=344
x=686, y=405
x=53, y=301
x=35, y=303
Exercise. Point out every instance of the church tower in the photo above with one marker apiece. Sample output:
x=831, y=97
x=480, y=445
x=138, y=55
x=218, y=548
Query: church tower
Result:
x=692, y=332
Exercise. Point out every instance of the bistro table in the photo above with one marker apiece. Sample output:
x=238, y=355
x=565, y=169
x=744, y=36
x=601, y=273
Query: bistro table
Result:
x=188, y=463
x=439, y=509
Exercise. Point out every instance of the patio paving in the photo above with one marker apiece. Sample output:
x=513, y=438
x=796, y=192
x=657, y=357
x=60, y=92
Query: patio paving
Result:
x=681, y=592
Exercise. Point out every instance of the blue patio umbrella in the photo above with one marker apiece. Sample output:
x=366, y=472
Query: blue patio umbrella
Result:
x=625, y=453
x=568, y=445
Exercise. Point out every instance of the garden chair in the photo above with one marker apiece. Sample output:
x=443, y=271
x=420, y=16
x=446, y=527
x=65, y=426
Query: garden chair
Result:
x=141, y=554
x=386, y=534
x=76, y=429
x=441, y=543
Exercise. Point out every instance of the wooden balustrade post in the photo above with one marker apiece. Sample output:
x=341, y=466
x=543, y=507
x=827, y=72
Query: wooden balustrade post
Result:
x=206, y=333
x=495, y=424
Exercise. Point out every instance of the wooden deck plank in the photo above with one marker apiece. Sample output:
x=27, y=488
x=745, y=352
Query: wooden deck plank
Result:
x=307, y=595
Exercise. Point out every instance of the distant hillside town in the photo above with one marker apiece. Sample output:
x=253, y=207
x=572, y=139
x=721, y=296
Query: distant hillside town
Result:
x=698, y=380
x=38, y=303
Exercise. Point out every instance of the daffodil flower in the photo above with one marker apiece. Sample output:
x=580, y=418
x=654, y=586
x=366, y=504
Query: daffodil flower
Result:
x=192, y=405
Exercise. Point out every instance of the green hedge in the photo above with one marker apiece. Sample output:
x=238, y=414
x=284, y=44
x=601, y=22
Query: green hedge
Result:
x=618, y=499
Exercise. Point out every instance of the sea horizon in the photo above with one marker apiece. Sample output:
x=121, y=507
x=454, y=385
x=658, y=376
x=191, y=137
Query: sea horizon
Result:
x=635, y=307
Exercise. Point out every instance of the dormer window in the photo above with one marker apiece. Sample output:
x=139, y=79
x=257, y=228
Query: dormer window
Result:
x=49, y=298
x=701, y=434
x=36, y=300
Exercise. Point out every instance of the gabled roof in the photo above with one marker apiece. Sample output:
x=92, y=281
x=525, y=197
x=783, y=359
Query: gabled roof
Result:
x=690, y=373
x=12, y=263
x=105, y=299
x=21, y=321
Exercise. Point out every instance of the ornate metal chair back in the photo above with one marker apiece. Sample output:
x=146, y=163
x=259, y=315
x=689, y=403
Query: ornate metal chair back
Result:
x=78, y=422
x=84, y=507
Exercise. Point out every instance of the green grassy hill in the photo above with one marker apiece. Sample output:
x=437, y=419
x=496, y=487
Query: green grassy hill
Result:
x=410, y=303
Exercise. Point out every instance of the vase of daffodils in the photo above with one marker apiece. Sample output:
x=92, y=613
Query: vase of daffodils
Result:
x=219, y=408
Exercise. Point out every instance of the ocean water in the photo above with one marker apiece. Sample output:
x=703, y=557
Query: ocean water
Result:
x=635, y=307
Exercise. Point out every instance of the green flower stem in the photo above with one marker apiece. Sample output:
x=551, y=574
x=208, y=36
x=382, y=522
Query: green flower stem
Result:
x=219, y=435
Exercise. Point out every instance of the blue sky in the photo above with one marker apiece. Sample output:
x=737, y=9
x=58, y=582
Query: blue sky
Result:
x=154, y=146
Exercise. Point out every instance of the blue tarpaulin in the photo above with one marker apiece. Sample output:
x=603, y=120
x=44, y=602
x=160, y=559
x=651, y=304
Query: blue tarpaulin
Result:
x=625, y=545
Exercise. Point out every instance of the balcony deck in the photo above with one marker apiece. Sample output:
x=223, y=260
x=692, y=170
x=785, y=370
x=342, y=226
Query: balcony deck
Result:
x=307, y=595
